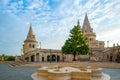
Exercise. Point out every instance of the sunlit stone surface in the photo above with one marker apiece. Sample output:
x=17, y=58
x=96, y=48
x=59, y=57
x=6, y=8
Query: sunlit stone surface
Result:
x=69, y=73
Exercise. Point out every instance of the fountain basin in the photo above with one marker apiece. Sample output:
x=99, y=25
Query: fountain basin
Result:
x=69, y=73
x=81, y=75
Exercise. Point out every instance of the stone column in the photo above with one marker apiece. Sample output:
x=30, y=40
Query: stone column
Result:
x=29, y=58
x=56, y=58
x=39, y=57
x=35, y=58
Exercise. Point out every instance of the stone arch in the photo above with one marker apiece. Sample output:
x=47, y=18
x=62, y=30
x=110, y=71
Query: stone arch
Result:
x=29, y=45
x=33, y=46
x=27, y=59
x=42, y=58
x=53, y=58
x=110, y=58
x=48, y=58
x=32, y=58
x=58, y=58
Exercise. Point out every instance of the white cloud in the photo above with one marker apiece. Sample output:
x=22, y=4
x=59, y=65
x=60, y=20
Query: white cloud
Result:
x=20, y=2
x=52, y=26
x=91, y=3
x=5, y=2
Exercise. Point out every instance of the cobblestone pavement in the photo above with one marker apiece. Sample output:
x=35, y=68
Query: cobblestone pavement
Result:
x=24, y=73
x=114, y=73
x=11, y=73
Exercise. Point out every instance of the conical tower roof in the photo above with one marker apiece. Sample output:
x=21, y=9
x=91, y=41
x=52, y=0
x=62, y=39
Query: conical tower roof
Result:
x=31, y=36
x=86, y=24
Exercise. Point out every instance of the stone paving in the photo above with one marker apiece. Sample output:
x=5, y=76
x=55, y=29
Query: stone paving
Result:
x=9, y=73
x=24, y=73
x=114, y=73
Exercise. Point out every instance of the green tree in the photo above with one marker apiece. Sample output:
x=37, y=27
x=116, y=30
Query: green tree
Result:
x=76, y=43
x=10, y=58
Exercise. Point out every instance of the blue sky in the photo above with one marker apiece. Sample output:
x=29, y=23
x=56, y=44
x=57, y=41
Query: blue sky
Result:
x=53, y=19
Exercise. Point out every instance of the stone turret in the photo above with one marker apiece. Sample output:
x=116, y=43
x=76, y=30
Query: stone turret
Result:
x=88, y=31
x=31, y=42
x=78, y=23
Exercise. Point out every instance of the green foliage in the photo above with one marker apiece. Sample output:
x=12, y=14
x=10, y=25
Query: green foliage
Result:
x=10, y=58
x=3, y=55
x=76, y=43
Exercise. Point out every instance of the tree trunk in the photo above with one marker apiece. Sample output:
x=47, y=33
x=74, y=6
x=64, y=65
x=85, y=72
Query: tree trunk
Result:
x=74, y=57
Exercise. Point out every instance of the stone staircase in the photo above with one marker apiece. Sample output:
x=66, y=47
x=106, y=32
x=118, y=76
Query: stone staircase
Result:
x=18, y=62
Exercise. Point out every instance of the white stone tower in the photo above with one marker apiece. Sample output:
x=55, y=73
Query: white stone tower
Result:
x=31, y=42
x=87, y=31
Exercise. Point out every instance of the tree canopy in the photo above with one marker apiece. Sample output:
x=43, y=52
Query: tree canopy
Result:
x=76, y=43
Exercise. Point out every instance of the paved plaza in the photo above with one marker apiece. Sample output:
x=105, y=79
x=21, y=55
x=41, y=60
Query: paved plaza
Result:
x=24, y=73
x=11, y=73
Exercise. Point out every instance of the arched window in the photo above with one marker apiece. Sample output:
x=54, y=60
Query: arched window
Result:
x=33, y=36
x=33, y=46
x=29, y=45
x=107, y=56
x=90, y=39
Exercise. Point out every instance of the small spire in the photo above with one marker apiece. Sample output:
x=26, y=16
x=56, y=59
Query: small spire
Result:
x=31, y=30
x=78, y=23
x=31, y=35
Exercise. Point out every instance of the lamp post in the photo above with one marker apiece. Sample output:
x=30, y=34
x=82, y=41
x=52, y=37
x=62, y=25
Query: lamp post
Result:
x=107, y=44
x=90, y=53
x=40, y=44
x=21, y=51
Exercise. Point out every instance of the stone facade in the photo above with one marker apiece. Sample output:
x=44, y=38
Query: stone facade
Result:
x=112, y=54
x=34, y=54
x=97, y=50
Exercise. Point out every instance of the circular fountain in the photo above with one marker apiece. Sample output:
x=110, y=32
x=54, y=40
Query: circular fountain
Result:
x=69, y=73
